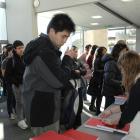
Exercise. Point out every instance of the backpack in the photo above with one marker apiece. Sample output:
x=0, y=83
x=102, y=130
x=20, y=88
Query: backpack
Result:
x=69, y=107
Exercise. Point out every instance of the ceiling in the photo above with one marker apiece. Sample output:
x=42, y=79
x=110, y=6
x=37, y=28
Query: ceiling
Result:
x=82, y=12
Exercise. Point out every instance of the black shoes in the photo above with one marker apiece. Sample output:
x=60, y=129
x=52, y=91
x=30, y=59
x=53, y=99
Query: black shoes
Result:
x=92, y=108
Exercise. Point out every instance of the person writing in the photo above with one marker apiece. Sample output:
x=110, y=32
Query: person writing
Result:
x=129, y=64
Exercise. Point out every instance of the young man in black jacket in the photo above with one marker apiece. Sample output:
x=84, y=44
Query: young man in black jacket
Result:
x=14, y=76
x=44, y=77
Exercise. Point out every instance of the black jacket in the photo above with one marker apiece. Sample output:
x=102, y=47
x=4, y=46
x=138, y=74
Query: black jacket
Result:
x=44, y=79
x=132, y=106
x=112, y=77
x=14, y=70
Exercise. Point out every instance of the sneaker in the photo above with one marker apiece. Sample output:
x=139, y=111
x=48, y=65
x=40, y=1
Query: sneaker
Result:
x=97, y=112
x=22, y=124
x=12, y=116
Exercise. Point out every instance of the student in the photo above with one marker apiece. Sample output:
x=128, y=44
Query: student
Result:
x=129, y=64
x=112, y=81
x=95, y=84
x=8, y=86
x=14, y=76
x=44, y=77
x=72, y=117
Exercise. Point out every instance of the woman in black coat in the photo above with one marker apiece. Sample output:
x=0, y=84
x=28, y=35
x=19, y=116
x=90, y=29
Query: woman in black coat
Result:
x=95, y=84
x=112, y=82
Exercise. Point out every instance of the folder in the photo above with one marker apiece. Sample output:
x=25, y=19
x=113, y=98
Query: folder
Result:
x=51, y=135
x=97, y=123
x=78, y=135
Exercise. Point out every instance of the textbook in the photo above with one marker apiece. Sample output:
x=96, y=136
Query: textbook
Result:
x=68, y=135
x=51, y=135
x=78, y=135
x=97, y=123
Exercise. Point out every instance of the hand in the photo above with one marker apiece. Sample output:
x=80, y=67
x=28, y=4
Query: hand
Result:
x=110, y=121
x=105, y=114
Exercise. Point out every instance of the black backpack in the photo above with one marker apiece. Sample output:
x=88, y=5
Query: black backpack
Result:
x=70, y=100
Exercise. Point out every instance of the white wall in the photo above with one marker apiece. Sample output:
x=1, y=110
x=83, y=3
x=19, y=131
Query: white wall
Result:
x=138, y=40
x=98, y=37
x=21, y=20
x=47, y=5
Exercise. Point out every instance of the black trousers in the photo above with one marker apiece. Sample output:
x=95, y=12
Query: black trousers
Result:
x=11, y=102
x=109, y=100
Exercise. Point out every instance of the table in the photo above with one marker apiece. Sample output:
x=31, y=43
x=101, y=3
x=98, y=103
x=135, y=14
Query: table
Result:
x=103, y=135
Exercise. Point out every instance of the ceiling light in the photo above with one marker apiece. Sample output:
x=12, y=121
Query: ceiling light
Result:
x=94, y=24
x=126, y=0
x=97, y=17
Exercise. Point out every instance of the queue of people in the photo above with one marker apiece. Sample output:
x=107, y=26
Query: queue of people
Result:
x=47, y=93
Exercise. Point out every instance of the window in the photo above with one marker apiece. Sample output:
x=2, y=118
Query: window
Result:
x=128, y=34
x=3, y=32
x=131, y=38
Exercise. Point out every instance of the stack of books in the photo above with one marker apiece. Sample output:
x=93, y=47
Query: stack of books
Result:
x=68, y=135
x=97, y=123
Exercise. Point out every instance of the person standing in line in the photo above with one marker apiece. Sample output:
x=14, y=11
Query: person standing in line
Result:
x=44, y=76
x=14, y=76
x=95, y=84
x=86, y=78
x=8, y=86
x=112, y=79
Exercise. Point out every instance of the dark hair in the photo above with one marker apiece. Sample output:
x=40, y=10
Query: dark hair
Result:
x=88, y=46
x=6, y=46
x=93, y=49
x=8, y=49
x=17, y=43
x=99, y=52
x=61, y=22
x=117, y=49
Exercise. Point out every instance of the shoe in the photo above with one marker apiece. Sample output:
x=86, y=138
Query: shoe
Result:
x=97, y=112
x=92, y=108
x=12, y=116
x=22, y=124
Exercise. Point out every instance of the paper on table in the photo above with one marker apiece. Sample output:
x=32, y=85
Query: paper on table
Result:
x=100, y=125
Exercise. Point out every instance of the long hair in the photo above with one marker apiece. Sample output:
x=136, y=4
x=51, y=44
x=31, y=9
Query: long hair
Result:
x=129, y=63
x=117, y=49
x=99, y=53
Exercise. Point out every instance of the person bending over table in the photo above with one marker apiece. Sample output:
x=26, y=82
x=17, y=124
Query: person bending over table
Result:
x=129, y=63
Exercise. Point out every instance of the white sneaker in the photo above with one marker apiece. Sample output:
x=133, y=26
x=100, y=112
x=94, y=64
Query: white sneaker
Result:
x=22, y=124
x=12, y=116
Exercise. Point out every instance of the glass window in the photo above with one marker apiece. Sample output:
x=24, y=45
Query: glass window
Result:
x=131, y=38
x=128, y=34
x=3, y=33
x=114, y=35
x=2, y=0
